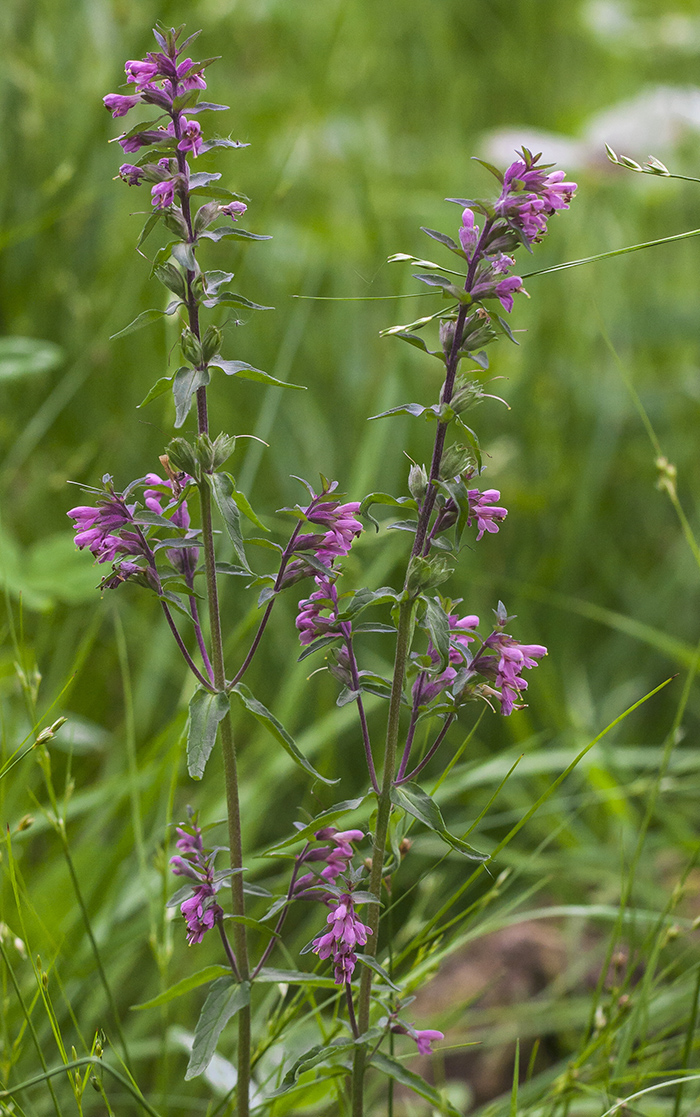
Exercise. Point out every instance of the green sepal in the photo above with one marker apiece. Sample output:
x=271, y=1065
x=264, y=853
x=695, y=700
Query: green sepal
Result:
x=412, y=799
x=224, y=1000
x=206, y=711
x=263, y=715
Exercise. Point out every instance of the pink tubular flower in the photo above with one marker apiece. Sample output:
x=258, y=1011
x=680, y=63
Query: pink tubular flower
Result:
x=234, y=210
x=425, y=1038
x=427, y=686
x=119, y=105
x=347, y=931
x=140, y=73
x=189, y=81
x=336, y=857
x=482, y=508
x=103, y=529
x=191, y=137
x=130, y=174
x=163, y=194
x=309, y=621
x=505, y=290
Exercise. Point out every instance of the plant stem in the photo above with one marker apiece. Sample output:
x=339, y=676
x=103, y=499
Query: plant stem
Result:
x=382, y=829
x=232, y=801
x=430, y=753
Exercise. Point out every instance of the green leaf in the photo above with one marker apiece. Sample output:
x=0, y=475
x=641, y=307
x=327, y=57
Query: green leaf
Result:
x=320, y=1054
x=263, y=715
x=392, y=1068
x=364, y=597
x=145, y=319
x=243, y=504
x=415, y=409
x=184, y=254
x=149, y=227
x=434, y=280
x=185, y=383
x=230, y=298
x=295, y=977
x=321, y=820
x=225, y=231
x=247, y=372
x=438, y=625
x=444, y=239
x=415, y=801
x=224, y=1000
x=373, y=964
x=202, y=977
x=385, y=498
x=222, y=488
x=27, y=356
x=206, y=711
x=158, y=389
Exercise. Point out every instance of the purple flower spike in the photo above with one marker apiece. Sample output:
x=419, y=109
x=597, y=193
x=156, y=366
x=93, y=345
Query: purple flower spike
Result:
x=200, y=910
x=119, y=105
x=163, y=194
x=347, y=931
x=103, y=529
x=531, y=195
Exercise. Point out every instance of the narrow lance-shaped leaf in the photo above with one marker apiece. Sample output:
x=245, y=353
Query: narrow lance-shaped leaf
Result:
x=185, y=383
x=415, y=801
x=202, y=977
x=145, y=319
x=438, y=625
x=263, y=715
x=224, y=1000
x=392, y=1068
x=222, y=488
x=206, y=711
x=246, y=372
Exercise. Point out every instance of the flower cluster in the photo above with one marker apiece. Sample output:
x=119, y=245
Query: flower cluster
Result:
x=500, y=660
x=336, y=857
x=427, y=686
x=530, y=195
x=506, y=667
x=108, y=529
x=346, y=932
x=341, y=528
x=483, y=509
x=200, y=910
x=162, y=79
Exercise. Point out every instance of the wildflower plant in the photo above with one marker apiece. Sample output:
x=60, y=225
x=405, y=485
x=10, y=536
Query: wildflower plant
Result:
x=158, y=533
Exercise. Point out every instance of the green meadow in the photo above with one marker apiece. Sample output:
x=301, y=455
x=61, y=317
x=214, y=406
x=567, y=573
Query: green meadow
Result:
x=576, y=945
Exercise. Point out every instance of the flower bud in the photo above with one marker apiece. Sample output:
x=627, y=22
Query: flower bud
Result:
x=181, y=454
x=447, y=334
x=191, y=347
x=211, y=343
x=455, y=460
x=417, y=482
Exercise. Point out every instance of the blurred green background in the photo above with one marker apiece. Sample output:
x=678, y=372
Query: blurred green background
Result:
x=362, y=118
